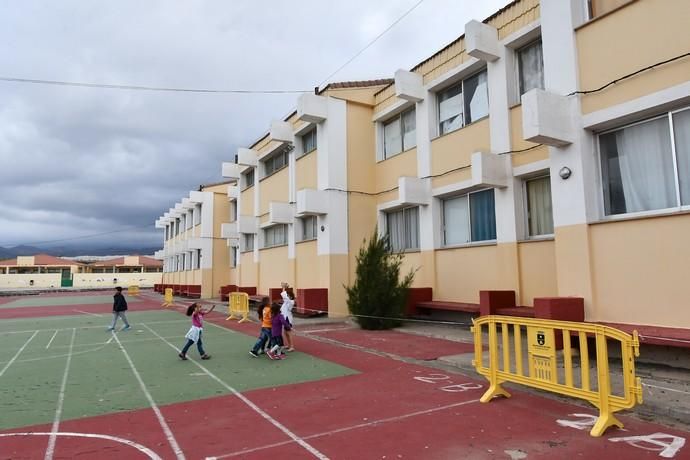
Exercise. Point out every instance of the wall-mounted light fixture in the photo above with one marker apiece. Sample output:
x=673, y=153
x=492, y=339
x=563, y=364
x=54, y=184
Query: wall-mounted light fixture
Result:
x=565, y=172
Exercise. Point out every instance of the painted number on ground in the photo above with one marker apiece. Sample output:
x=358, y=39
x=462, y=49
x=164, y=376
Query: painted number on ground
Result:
x=667, y=445
x=453, y=388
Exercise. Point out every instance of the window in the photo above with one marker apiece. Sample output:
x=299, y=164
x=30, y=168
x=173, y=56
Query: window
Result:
x=309, y=228
x=276, y=162
x=399, y=133
x=469, y=218
x=597, y=8
x=646, y=166
x=403, y=229
x=531, y=67
x=196, y=259
x=197, y=214
x=539, y=211
x=248, y=178
x=177, y=227
x=309, y=142
x=233, y=211
x=247, y=242
x=463, y=103
x=275, y=236
x=233, y=256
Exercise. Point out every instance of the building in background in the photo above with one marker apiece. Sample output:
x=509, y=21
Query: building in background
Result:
x=194, y=255
x=44, y=271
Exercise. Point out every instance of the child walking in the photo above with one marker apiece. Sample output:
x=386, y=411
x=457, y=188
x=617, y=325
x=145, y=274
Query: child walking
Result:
x=278, y=322
x=288, y=296
x=119, y=309
x=265, y=334
x=194, y=334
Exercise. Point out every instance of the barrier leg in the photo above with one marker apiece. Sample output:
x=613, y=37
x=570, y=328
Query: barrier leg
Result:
x=606, y=417
x=605, y=421
x=495, y=388
x=245, y=317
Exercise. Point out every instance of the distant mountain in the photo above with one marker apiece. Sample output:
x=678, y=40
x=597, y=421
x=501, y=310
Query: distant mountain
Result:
x=10, y=253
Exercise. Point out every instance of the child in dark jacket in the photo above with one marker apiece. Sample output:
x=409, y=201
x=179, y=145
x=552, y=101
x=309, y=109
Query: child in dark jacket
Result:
x=278, y=322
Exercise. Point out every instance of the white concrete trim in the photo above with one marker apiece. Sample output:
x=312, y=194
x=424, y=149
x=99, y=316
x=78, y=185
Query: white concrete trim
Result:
x=398, y=106
x=452, y=189
x=638, y=109
x=456, y=74
x=530, y=168
x=523, y=36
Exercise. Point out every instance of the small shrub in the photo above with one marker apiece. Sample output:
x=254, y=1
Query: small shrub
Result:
x=378, y=297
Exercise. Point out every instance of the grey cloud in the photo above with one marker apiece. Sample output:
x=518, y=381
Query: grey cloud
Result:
x=76, y=161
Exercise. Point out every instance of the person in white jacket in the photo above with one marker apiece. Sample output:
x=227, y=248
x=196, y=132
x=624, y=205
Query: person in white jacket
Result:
x=288, y=297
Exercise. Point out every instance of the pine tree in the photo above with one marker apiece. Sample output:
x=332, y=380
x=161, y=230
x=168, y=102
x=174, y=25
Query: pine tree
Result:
x=377, y=298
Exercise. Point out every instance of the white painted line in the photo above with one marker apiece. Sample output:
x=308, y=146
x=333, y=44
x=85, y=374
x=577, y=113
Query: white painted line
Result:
x=311, y=449
x=87, y=313
x=353, y=427
x=61, y=399
x=665, y=388
x=9, y=363
x=53, y=318
x=164, y=425
x=145, y=450
x=51, y=339
x=313, y=331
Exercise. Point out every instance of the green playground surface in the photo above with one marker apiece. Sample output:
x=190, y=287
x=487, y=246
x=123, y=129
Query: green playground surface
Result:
x=49, y=301
x=34, y=356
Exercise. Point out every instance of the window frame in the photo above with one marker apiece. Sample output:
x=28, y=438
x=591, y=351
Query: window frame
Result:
x=246, y=247
x=389, y=121
x=273, y=228
x=310, y=133
x=680, y=207
x=472, y=242
x=303, y=236
x=455, y=84
x=251, y=172
x=526, y=208
x=405, y=249
x=518, y=64
x=282, y=152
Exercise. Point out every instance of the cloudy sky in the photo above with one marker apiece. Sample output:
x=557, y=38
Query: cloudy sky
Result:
x=78, y=162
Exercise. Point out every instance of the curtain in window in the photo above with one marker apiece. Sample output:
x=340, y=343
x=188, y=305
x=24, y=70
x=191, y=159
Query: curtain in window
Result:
x=681, y=131
x=409, y=129
x=531, y=67
x=396, y=230
x=450, y=109
x=646, y=166
x=483, y=216
x=456, y=218
x=392, y=139
x=476, y=97
x=539, y=206
x=412, y=228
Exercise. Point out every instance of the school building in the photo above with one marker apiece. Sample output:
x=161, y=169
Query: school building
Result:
x=45, y=271
x=195, y=256
x=545, y=153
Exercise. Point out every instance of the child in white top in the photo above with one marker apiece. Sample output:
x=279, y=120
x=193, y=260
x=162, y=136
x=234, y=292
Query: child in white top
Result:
x=286, y=310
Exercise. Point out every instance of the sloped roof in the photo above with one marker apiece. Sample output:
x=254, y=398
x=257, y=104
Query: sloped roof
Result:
x=358, y=84
x=143, y=260
x=43, y=259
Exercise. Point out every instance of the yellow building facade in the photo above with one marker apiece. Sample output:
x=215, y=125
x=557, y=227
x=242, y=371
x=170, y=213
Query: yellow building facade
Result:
x=534, y=154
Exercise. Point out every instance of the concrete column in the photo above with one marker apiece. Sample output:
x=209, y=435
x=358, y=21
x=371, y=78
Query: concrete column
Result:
x=575, y=198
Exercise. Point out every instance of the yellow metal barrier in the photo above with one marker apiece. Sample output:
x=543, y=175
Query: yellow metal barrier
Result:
x=168, y=298
x=133, y=290
x=543, y=373
x=238, y=304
